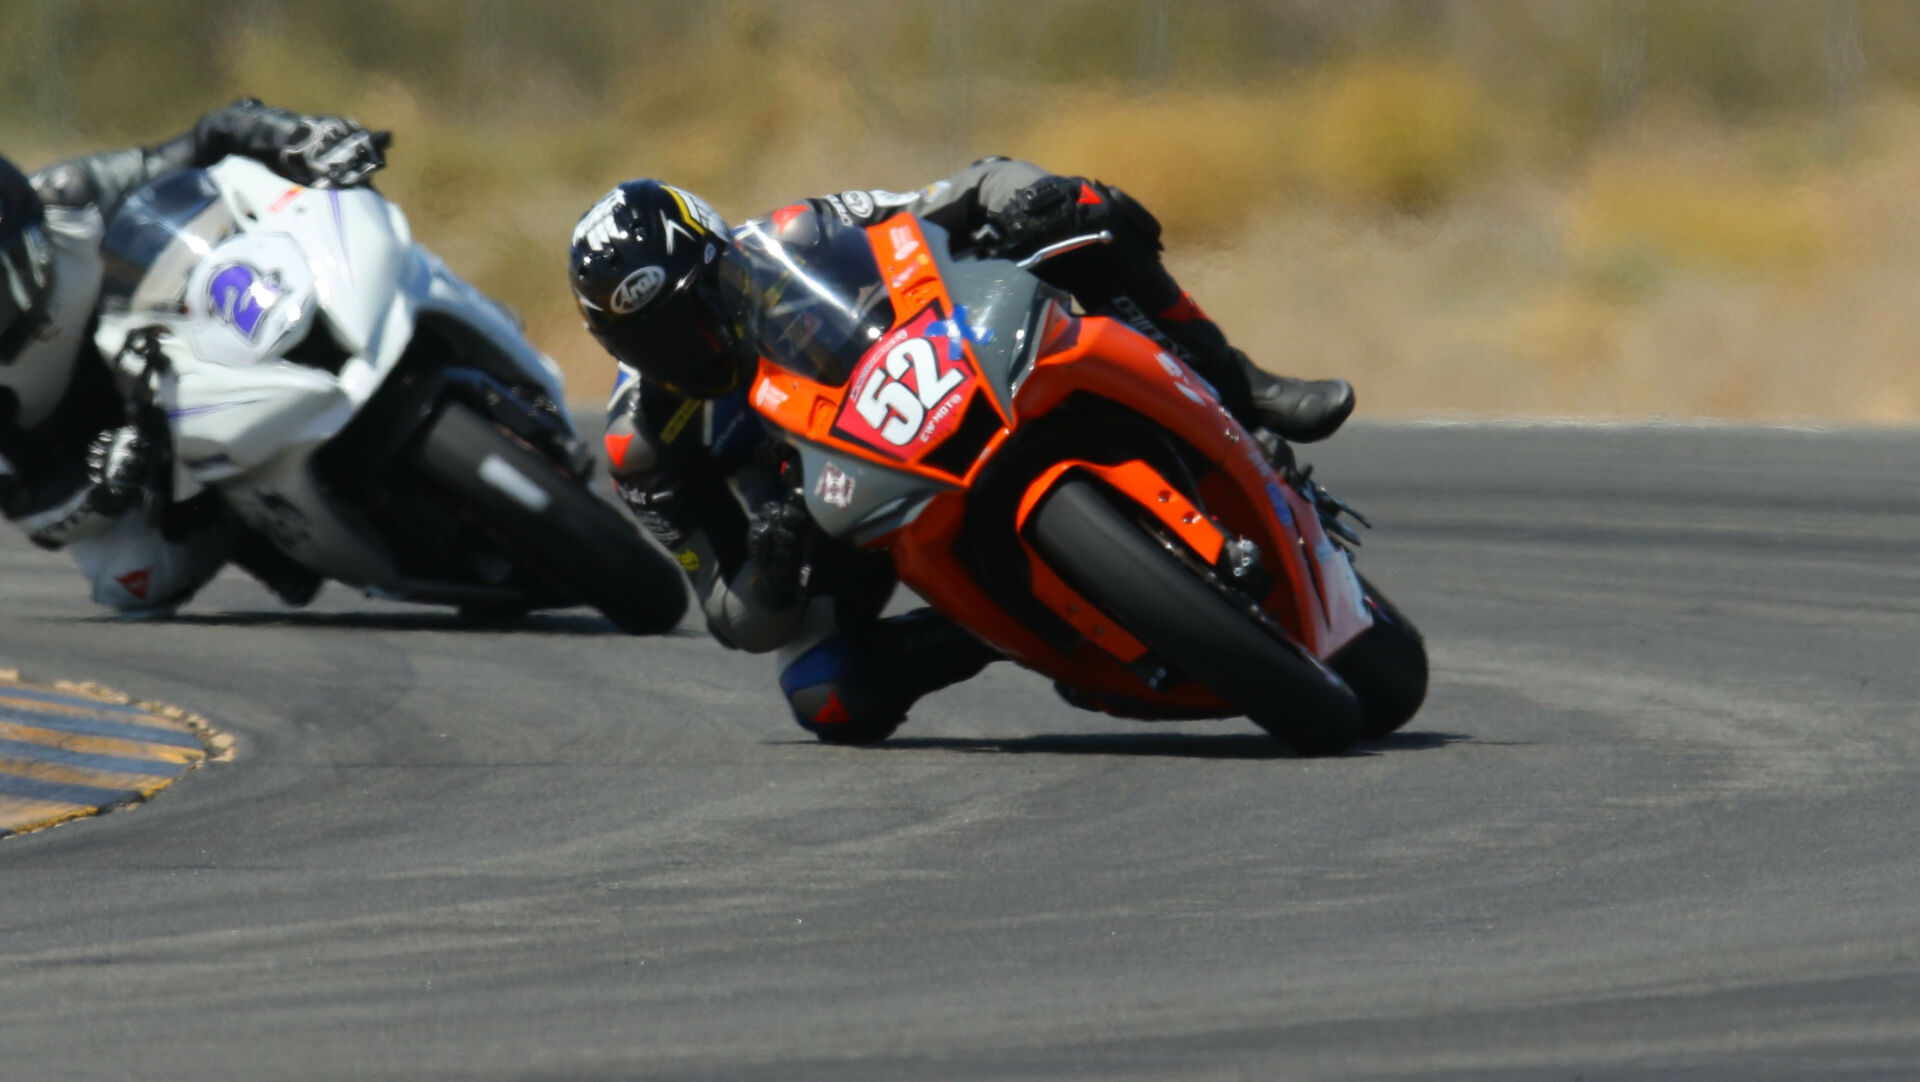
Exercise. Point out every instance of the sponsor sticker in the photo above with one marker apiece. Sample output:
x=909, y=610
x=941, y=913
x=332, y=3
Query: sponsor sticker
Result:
x=918, y=266
x=834, y=487
x=904, y=242
x=767, y=396
x=1171, y=366
x=636, y=290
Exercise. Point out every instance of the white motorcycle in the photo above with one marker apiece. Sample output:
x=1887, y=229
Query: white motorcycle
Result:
x=359, y=409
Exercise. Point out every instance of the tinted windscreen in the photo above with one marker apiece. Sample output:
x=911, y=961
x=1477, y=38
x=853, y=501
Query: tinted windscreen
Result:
x=157, y=236
x=813, y=295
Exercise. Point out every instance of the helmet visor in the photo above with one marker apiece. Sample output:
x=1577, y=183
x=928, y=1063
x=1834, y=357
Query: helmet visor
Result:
x=26, y=281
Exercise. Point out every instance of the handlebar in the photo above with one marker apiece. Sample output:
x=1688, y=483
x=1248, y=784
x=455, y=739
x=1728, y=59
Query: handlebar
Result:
x=1062, y=247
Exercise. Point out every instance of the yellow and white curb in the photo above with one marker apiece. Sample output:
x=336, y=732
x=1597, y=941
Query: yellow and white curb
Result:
x=71, y=750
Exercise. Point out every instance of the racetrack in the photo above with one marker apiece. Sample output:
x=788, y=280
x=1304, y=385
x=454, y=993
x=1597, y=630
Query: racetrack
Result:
x=1657, y=820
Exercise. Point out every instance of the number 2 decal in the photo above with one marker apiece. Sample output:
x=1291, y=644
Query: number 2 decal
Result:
x=890, y=406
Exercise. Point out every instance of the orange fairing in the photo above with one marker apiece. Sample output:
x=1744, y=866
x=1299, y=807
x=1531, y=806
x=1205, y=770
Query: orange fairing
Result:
x=1105, y=358
x=911, y=390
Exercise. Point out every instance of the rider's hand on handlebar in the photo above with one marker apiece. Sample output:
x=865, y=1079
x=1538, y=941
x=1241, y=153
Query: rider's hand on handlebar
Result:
x=117, y=467
x=1046, y=210
x=333, y=152
x=777, y=541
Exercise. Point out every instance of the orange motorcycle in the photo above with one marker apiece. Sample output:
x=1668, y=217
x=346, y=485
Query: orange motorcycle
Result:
x=1066, y=489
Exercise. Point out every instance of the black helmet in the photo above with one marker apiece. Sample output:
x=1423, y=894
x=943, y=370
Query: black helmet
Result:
x=26, y=263
x=647, y=265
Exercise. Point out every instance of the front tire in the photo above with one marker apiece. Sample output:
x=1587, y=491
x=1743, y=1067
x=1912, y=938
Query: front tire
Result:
x=551, y=520
x=1189, y=624
x=1386, y=666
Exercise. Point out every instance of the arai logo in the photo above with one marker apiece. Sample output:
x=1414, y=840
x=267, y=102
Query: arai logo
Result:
x=637, y=289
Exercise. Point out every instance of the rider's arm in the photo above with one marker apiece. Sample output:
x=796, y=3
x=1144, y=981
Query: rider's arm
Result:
x=660, y=453
x=961, y=204
x=1014, y=207
x=304, y=149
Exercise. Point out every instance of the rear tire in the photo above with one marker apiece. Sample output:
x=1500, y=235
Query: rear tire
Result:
x=1188, y=624
x=552, y=521
x=1386, y=666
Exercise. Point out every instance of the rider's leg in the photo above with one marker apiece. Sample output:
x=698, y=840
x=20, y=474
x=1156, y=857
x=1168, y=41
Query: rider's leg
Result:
x=1128, y=277
x=855, y=685
x=138, y=571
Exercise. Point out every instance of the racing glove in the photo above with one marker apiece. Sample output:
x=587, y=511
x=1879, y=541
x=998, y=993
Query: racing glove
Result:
x=116, y=468
x=777, y=543
x=333, y=152
x=1040, y=213
x=316, y=151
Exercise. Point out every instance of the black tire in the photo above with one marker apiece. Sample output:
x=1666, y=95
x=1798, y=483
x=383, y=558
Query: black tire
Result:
x=1189, y=624
x=857, y=734
x=1386, y=666
x=552, y=521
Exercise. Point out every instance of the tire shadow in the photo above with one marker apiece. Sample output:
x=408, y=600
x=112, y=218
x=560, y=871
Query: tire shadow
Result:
x=1161, y=745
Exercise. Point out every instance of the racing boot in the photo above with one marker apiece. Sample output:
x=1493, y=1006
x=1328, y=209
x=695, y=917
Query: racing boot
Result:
x=1297, y=410
x=856, y=688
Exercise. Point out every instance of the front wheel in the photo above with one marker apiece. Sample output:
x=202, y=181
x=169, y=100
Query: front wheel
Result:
x=550, y=520
x=1189, y=624
x=1386, y=666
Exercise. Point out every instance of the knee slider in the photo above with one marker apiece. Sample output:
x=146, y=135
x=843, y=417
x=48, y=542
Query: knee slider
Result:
x=812, y=685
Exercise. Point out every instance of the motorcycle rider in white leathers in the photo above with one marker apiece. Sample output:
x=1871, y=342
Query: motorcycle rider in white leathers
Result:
x=71, y=465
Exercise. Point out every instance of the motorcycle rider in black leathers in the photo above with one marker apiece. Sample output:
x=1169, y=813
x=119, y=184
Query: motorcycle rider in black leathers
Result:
x=650, y=267
x=71, y=464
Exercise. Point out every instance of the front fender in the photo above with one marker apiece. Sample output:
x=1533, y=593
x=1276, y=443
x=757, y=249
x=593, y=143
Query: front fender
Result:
x=1144, y=486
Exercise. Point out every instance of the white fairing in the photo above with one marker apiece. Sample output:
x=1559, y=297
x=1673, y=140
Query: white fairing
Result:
x=256, y=273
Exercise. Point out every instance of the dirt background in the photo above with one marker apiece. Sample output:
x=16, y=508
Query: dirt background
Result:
x=1608, y=209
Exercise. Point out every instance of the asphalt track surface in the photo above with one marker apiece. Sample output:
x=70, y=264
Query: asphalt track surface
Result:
x=1658, y=820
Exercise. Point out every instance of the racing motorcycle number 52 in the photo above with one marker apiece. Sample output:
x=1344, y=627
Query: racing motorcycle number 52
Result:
x=1053, y=483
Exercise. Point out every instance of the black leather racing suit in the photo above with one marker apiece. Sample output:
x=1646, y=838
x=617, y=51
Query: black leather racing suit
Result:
x=694, y=471
x=58, y=396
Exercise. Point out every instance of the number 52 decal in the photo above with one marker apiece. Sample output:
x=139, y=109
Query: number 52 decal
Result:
x=904, y=392
x=888, y=405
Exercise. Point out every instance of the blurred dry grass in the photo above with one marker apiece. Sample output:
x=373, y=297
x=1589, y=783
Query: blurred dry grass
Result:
x=1612, y=208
